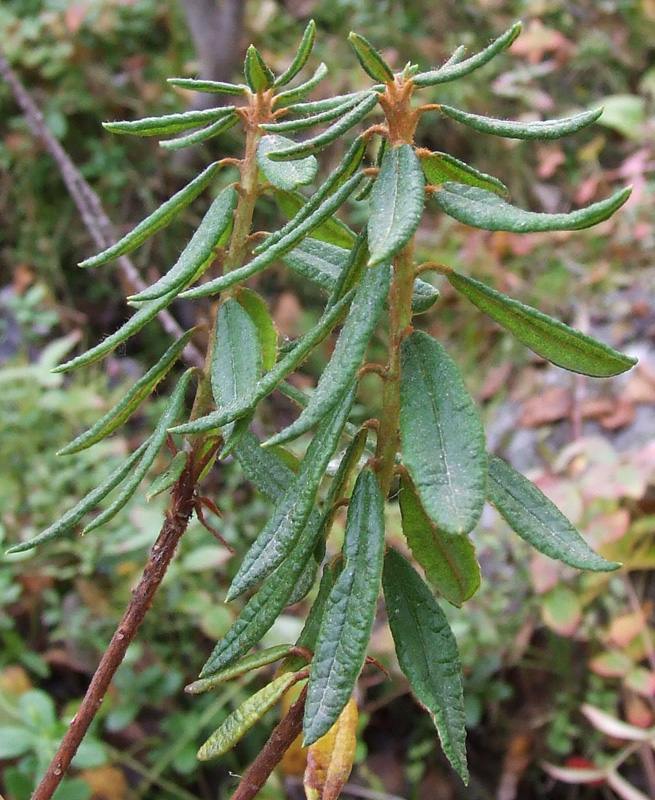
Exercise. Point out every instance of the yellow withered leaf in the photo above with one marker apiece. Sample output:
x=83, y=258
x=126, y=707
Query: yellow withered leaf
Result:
x=330, y=759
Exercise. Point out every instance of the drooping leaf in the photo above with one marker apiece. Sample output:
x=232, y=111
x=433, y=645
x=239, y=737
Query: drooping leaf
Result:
x=440, y=168
x=298, y=92
x=258, y=311
x=169, y=476
x=170, y=123
x=483, y=209
x=542, y=129
x=397, y=202
x=241, y=721
x=550, y=338
x=114, y=418
x=203, y=135
x=157, y=220
x=317, y=143
x=303, y=123
x=211, y=87
x=284, y=176
x=348, y=354
x=260, y=659
x=300, y=59
x=427, y=654
x=68, y=521
x=537, y=520
x=273, y=377
x=455, y=68
x=155, y=443
x=208, y=235
x=288, y=242
x=331, y=758
x=346, y=627
x=448, y=561
x=291, y=515
x=257, y=74
x=443, y=443
x=370, y=59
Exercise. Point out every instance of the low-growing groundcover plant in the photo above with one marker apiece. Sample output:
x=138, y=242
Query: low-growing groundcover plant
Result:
x=427, y=445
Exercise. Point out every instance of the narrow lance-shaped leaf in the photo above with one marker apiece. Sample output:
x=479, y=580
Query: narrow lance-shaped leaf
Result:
x=441, y=168
x=318, y=106
x=456, y=56
x=258, y=75
x=270, y=380
x=298, y=92
x=550, y=338
x=443, y=443
x=169, y=476
x=168, y=124
x=427, y=654
x=155, y=444
x=300, y=59
x=370, y=59
x=542, y=129
x=157, y=220
x=313, y=145
x=454, y=68
x=268, y=472
x=241, y=721
x=448, y=561
x=304, y=583
x=211, y=87
x=397, y=202
x=200, y=250
x=537, y=520
x=242, y=667
x=291, y=515
x=331, y=230
x=330, y=759
x=285, y=244
x=303, y=123
x=346, y=628
x=218, y=127
x=364, y=314
x=284, y=176
x=485, y=210
x=367, y=188
x=88, y=503
x=266, y=331
x=114, y=418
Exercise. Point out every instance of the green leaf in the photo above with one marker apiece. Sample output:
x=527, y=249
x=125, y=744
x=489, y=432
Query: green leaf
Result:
x=15, y=741
x=367, y=188
x=482, y=209
x=427, y=654
x=305, y=582
x=313, y=145
x=288, y=242
x=157, y=220
x=291, y=515
x=448, y=561
x=258, y=76
x=242, y=667
x=346, y=627
x=271, y=379
x=625, y=113
x=293, y=204
x=263, y=468
x=284, y=176
x=348, y=354
x=300, y=59
x=211, y=87
x=372, y=62
x=258, y=311
x=169, y=476
x=457, y=55
x=122, y=411
x=454, y=68
x=298, y=92
x=534, y=518
x=442, y=438
x=211, y=233
x=555, y=341
x=318, y=106
x=155, y=443
x=170, y=123
x=241, y=721
x=542, y=129
x=397, y=202
x=218, y=127
x=72, y=517
x=303, y=123
x=441, y=168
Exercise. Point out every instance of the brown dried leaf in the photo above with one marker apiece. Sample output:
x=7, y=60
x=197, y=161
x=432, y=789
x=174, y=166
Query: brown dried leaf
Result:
x=551, y=405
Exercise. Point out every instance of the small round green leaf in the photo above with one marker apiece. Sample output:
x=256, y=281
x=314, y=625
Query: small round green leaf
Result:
x=287, y=175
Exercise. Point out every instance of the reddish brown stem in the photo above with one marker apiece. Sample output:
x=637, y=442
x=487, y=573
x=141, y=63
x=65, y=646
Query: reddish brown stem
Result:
x=161, y=554
x=270, y=756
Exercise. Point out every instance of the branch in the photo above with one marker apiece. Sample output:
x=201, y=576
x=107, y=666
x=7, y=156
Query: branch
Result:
x=93, y=215
x=163, y=550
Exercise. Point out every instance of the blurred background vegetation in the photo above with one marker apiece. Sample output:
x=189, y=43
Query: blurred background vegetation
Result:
x=538, y=641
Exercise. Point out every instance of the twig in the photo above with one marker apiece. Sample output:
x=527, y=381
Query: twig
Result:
x=93, y=215
x=270, y=756
x=161, y=554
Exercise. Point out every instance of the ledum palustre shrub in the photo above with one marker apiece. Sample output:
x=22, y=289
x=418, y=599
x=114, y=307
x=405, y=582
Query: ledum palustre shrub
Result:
x=428, y=442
